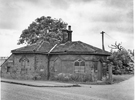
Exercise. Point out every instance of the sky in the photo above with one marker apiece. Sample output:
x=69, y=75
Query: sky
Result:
x=86, y=17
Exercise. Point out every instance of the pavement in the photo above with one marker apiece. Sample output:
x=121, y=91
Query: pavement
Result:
x=39, y=83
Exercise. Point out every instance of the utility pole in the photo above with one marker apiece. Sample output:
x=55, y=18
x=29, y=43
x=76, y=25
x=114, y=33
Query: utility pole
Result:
x=103, y=40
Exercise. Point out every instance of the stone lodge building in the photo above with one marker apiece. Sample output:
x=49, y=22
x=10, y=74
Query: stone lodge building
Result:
x=43, y=61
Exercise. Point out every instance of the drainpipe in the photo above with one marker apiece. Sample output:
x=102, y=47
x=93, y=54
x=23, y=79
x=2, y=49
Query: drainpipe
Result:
x=48, y=69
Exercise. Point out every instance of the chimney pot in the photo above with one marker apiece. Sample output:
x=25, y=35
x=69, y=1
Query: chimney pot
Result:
x=69, y=33
x=69, y=28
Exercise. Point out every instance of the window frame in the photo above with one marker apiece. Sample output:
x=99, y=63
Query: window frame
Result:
x=81, y=67
x=24, y=62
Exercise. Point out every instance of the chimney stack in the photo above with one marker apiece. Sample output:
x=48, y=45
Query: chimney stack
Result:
x=69, y=33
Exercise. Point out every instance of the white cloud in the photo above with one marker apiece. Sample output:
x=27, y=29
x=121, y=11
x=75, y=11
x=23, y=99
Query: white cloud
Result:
x=87, y=18
x=8, y=41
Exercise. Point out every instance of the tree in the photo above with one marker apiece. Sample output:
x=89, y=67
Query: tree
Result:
x=116, y=46
x=121, y=59
x=43, y=28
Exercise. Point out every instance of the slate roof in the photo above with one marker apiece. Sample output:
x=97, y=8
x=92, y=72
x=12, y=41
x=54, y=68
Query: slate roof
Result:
x=78, y=47
x=75, y=47
x=40, y=47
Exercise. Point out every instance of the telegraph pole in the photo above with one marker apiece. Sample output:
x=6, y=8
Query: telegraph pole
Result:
x=103, y=40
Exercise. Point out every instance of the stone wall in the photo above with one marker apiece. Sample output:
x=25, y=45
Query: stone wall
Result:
x=41, y=66
x=65, y=64
x=34, y=66
x=25, y=66
x=4, y=67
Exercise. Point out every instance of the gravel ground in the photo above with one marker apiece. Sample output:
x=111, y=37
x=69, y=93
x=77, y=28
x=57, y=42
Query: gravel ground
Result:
x=121, y=91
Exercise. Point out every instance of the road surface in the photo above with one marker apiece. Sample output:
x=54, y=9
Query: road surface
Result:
x=121, y=91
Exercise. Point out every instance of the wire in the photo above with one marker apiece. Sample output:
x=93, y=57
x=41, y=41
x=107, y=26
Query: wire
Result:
x=110, y=36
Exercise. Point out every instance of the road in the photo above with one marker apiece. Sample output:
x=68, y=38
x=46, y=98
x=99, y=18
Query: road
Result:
x=121, y=91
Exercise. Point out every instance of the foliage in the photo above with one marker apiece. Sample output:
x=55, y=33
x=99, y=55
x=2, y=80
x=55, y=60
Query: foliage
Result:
x=116, y=46
x=43, y=28
x=122, y=60
x=78, y=77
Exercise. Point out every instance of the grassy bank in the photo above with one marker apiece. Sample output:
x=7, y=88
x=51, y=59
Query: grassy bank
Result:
x=120, y=78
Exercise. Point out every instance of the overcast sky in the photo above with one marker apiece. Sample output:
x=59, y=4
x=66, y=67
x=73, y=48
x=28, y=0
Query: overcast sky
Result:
x=86, y=17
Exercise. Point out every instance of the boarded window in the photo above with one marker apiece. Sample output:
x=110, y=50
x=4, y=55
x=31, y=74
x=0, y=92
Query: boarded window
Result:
x=77, y=69
x=79, y=66
x=24, y=62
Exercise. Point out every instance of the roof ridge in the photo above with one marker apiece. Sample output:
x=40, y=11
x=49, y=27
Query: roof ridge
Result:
x=52, y=48
x=39, y=45
x=71, y=46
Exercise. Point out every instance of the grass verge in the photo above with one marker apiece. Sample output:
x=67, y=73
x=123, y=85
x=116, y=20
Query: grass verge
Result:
x=121, y=78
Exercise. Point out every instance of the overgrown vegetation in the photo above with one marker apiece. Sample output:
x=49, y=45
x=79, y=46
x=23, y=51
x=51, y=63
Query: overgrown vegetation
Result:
x=120, y=78
x=123, y=60
x=78, y=77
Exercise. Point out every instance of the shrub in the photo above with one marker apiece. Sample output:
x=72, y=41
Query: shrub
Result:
x=78, y=77
x=62, y=77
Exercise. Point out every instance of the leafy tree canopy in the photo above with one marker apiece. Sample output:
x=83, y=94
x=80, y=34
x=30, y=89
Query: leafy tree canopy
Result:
x=43, y=28
x=121, y=59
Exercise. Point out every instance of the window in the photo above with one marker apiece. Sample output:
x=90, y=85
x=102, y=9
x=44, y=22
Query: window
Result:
x=77, y=63
x=8, y=68
x=24, y=62
x=82, y=63
x=79, y=66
